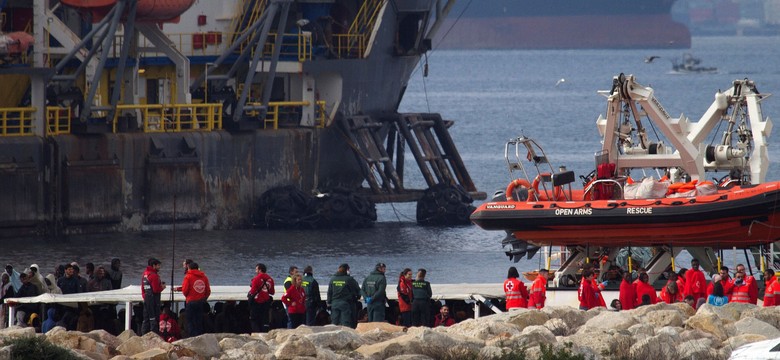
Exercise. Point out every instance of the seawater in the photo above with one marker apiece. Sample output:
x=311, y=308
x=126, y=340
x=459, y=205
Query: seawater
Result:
x=492, y=95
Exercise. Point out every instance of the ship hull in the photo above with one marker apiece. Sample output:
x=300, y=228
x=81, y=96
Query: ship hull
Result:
x=613, y=31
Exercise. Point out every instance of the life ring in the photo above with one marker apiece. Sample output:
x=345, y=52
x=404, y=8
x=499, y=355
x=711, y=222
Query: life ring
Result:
x=510, y=189
x=557, y=190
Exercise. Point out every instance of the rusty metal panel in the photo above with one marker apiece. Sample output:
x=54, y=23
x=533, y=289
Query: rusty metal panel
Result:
x=179, y=178
x=93, y=192
x=21, y=183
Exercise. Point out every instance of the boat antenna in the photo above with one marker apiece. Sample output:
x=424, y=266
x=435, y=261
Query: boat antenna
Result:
x=173, y=247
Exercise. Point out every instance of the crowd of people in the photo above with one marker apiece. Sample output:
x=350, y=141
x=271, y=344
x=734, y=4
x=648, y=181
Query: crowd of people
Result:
x=687, y=285
x=299, y=304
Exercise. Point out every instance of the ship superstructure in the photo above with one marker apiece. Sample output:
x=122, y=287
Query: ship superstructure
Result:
x=136, y=114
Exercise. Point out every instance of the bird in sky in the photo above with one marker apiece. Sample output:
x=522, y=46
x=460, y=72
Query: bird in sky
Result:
x=650, y=59
x=561, y=81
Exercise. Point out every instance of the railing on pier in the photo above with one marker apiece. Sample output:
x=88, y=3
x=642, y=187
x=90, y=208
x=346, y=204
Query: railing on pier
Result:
x=287, y=109
x=295, y=46
x=58, y=120
x=17, y=121
x=173, y=117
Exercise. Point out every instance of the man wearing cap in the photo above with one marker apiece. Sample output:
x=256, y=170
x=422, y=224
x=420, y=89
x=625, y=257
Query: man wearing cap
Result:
x=538, y=293
x=151, y=290
x=343, y=293
x=374, y=293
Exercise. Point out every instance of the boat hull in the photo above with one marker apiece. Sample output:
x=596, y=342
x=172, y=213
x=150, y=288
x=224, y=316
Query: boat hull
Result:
x=738, y=217
x=636, y=31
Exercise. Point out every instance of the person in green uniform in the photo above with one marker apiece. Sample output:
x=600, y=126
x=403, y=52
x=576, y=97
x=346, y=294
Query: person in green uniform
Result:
x=421, y=305
x=312, y=295
x=343, y=293
x=374, y=293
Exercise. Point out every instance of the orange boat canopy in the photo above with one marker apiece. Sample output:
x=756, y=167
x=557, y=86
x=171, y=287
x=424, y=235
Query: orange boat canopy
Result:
x=147, y=10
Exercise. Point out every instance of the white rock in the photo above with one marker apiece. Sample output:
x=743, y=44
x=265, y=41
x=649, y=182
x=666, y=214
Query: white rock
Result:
x=256, y=347
x=15, y=331
x=484, y=329
x=661, y=318
x=697, y=349
x=769, y=315
x=739, y=340
x=378, y=335
x=673, y=332
x=642, y=329
x=656, y=347
x=709, y=323
x=609, y=320
x=410, y=357
x=574, y=318
x=558, y=327
x=336, y=340
x=755, y=326
x=295, y=346
x=615, y=344
x=231, y=343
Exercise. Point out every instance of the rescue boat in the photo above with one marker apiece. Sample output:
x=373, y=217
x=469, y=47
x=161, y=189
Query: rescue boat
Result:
x=681, y=209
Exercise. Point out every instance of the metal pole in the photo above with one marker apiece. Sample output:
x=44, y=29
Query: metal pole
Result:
x=128, y=314
x=173, y=249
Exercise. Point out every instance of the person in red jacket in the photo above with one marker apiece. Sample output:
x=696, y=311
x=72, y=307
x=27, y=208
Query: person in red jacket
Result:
x=695, y=284
x=741, y=292
x=586, y=294
x=643, y=288
x=405, y=297
x=196, y=290
x=151, y=290
x=752, y=284
x=670, y=294
x=260, y=298
x=515, y=291
x=538, y=294
x=295, y=299
x=169, y=328
x=627, y=293
x=770, y=288
x=443, y=318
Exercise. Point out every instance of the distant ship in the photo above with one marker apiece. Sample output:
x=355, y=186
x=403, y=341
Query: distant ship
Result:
x=564, y=24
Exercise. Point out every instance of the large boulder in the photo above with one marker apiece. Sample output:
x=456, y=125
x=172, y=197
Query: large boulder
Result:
x=383, y=326
x=525, y=317
x=739, y=340
x=609, y=320
x=76, y=340
x=613, y=343
x=436, y=344
x=571, y=316
x=558, y=327
x=661, y=318
x=673, y=332
x=16, y=331
x=295, y=346
x=709, y=323
x=483, y=328
x=336, y=340
x=410, y=357
x=697, y=349
x=647, y=309
x=205, y=345
x=728, y=313
x=138, y=344
x=755, y=326
x=769, y=315
x=151, y=354
x=657, y=347
x=378, y=336
x=104, y=337
x=643, y=330
x=124, y=336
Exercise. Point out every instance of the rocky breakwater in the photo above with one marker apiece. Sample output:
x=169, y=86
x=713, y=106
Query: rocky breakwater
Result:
x=658, y=331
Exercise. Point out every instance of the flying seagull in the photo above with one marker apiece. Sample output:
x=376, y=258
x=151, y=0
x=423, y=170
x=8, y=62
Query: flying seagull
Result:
x=561, y=81
x=650, y=59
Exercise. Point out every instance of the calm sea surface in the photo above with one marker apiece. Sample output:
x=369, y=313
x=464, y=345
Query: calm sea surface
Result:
x=493, y=96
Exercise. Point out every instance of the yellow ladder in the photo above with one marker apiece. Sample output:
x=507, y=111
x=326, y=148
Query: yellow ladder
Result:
x=364, y=22
x=255, y=8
